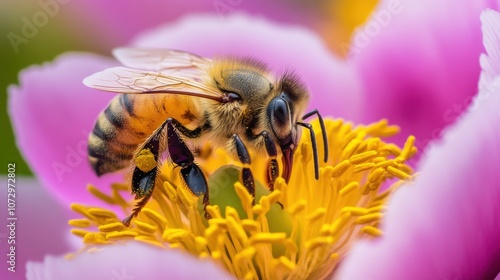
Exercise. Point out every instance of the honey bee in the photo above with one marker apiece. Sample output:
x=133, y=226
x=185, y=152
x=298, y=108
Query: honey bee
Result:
x=173, y=101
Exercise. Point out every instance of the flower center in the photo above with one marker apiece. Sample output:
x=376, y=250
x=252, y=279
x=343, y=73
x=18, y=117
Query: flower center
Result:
x=300, y=230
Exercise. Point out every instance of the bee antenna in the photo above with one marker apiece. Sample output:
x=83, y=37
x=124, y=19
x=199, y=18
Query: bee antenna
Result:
x=323, y=130
x=314, y=147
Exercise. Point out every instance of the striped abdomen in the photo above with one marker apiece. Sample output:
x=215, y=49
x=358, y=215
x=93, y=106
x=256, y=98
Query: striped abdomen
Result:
x=128, y=121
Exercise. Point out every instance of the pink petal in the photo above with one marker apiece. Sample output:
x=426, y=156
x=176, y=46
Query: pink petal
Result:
x=332, y=82
x=52, y=113
x=419, y=63
x=490, y=62
x=126, y=262
x=41, y=226
x=446, y=225
x=131, y=17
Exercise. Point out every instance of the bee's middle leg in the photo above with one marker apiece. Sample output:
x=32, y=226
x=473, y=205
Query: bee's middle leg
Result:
x=181, y=155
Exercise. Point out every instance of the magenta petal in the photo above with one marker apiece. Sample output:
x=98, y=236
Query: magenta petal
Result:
x=41, y=227
x=490, y=62
x=418, y=62
x=332, y=82
x=52, y=113
x=446, y=225
x=126, y=262
x=131, y=17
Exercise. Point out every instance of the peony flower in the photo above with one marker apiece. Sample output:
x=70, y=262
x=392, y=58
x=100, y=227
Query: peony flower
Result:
x=360, y=163
x=417, y=62
x=60, y=162
x=305, y=239
x=446, y=225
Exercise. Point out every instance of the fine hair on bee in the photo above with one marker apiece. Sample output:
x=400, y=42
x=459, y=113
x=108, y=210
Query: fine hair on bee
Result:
x=171, y=102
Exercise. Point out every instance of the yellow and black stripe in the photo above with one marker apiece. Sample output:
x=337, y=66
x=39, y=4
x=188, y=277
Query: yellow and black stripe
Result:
x=127, y=122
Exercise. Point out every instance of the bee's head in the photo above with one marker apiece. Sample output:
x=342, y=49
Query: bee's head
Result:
x=244, y=85
x=247, y=88
x=283, y=112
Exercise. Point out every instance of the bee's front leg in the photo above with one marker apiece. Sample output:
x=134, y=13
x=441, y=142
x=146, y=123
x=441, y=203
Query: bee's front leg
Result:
x=273, y=169
x=246, y=173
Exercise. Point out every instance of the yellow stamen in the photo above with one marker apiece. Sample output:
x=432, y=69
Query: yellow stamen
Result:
x=368, y=218
x=362, y=157
x=352, y=186
x=398, y=173
x=112, y=227
x=121, y=234
x=82, y=223
x=103, y=213
x=354, y=211
x=95, y=238
x=363, y=167
x=373, y=231
x=267, y=238
x=93, y=190
x=341, y=168
x=79, y=232
x=307, y=238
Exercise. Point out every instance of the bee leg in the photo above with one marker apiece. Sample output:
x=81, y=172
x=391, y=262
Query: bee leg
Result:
x=142, y=185
x=182, y=156
x=246, y=173
x=147, y=181
x=273, y=169
x=145, y=172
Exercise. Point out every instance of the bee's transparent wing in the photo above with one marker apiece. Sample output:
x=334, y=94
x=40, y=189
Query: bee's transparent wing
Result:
x=126, y=80
x=160, y=60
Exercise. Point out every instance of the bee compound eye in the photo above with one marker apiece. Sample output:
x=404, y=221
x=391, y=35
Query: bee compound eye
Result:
x=281, y=113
